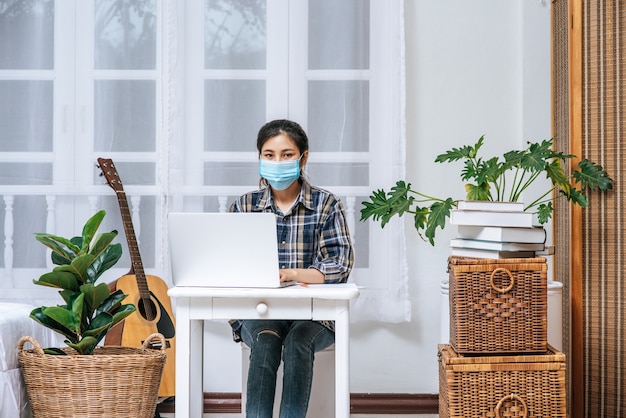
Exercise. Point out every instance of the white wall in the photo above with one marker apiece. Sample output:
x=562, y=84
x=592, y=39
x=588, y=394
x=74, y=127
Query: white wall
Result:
x=473, y=67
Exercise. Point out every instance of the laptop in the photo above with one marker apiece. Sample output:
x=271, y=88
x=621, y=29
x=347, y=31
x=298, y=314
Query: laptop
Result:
x=224, y=250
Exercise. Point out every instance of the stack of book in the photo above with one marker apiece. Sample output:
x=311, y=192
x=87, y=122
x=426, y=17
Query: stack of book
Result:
x=496, y=230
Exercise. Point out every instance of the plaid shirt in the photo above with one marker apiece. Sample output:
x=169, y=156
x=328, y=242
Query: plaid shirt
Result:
x=312, y=234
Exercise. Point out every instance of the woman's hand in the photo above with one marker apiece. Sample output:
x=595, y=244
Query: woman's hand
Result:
x=311, y=275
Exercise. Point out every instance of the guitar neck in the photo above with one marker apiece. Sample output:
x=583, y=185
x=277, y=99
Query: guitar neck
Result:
x=133, y=247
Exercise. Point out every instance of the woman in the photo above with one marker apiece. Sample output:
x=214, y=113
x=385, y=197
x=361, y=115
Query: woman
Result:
x=314, y=246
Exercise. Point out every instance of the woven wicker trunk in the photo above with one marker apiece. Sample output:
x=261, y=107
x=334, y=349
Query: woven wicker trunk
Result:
x=524, y=386
x=498, y=306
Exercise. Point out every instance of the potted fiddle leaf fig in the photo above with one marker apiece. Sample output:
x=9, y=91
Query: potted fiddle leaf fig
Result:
x=89, y=309
x=86, y=379
x=494, y=179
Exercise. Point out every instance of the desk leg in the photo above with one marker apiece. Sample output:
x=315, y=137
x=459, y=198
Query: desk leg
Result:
x=196, y=368
x=182, y=357
x=189, y=402
x=342, y=359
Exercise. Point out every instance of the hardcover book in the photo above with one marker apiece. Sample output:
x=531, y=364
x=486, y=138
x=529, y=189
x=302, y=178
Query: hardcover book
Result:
x=502, y=234
x=476, y=253
x=496, y=245
x=491, y=218
x=489, y=206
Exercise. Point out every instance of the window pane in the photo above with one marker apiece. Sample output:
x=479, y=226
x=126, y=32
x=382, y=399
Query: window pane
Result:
x=132, y=173
x=26, y=115
x=125, y=34
x=26, y=173
x=339, y=33
x=339, y=174
x=125, y=115
x=231, y=174
x=234, y=34
x=145, y=231
x=25, y=27
x=233, y=112
x=338, y=117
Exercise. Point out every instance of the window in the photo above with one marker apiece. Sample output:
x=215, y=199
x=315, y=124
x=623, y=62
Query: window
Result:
x=332, y=70
x=174, y=93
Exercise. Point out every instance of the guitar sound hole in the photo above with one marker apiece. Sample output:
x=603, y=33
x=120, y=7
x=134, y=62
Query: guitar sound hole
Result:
x=147, y=309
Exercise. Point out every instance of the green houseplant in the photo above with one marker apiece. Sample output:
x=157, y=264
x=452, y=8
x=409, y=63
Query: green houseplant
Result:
x=86, y=379
x=493, y=179
x=90, y=309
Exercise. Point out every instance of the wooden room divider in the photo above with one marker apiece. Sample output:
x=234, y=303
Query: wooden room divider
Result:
x=589, y=120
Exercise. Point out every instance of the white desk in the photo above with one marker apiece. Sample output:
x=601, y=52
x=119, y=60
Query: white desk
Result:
x=316, y=302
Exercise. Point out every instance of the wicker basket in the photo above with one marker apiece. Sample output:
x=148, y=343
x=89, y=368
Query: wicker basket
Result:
x=524, y=386
x=498, y=305
x=113, y=382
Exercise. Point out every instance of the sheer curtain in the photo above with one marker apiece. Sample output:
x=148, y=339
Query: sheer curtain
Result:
x=174, y=92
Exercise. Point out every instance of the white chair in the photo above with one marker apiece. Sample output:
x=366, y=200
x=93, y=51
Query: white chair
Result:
x=322, y=401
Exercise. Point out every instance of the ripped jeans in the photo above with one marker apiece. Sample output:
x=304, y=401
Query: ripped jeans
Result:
x=297, y=341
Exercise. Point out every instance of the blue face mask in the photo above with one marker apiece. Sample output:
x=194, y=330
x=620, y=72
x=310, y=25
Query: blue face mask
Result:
x=280, y=174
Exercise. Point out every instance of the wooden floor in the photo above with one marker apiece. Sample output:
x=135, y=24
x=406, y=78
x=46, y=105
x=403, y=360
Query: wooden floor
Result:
x=164, y=415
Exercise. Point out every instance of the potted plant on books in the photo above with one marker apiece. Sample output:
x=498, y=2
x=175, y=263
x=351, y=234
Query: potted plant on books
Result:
x=85, y=379
x=495, y=180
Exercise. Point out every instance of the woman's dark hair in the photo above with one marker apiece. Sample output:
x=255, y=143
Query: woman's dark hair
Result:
x=286, y=127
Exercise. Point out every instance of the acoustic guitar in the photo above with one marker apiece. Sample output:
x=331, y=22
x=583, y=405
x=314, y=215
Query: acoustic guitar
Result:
x=148, y=293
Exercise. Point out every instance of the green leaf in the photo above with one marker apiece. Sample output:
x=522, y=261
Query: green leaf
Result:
x=64, y=316
x=475, y=192
x=554, y=171
x=512, y=159
x=536, y=156
x=81, y=265
x=591, y=175
x=59, y=279
x=377, y=208
x=68, y=295
x=384, y=206
x=439, y=212
x=60, y=260
x=489, y=171
x=84, y=346
x=95, y=295
x=477, y=146
x=76, y=303
x=64, y=249
x=103, y=261
x=54, y=351
x=456, y=154
x=112, y=302
x=122, y=312
x=420, y=218
x=39, y=316
x=470, y=169
x=544, y=212
x=102, y=242
x=90, y=228
x=576, y=197
x=99, y=324
x=400, y=200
